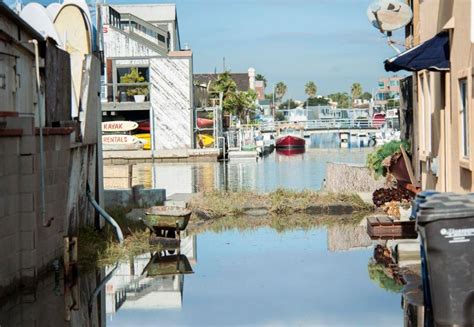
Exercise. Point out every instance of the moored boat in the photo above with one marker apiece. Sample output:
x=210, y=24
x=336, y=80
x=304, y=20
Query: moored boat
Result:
x=290, y=137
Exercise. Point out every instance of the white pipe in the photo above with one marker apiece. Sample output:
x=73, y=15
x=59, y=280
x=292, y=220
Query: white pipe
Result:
x=103, y=213
x=41, y=150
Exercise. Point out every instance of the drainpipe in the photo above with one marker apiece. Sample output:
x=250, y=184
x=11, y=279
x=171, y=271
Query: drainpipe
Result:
x=46, y=223
x=105, y=215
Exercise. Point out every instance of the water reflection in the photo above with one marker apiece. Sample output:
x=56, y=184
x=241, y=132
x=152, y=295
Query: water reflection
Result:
x=152, y=281
x=299, y=171
x=262, y=277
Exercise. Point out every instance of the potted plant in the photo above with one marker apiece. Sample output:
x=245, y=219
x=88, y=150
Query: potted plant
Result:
x=140, y=92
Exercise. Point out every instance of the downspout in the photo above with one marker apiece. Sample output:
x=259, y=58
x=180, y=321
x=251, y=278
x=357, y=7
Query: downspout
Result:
x=105, y=215
x=41, y=149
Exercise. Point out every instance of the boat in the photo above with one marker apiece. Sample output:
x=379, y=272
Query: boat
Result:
x=145, y=139
x=290, y=137
x=165, y=265
x=204, y=123
x=167, y=217
x=378, y=119
x=205, y=141
x=144, y=126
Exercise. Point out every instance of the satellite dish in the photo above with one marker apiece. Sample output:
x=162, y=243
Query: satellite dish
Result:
x=53, y=9
x=81, y=4
x=389, y=15
x=73, y=27
x=37, y=16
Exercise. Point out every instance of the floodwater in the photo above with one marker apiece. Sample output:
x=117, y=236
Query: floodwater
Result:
x=252, y=277
x=262, y=278
x=297, y=171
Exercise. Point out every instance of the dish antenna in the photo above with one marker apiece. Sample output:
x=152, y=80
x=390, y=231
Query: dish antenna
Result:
x=388, y=16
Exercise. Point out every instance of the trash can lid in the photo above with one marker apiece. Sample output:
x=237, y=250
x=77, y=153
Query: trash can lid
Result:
x=444, y=206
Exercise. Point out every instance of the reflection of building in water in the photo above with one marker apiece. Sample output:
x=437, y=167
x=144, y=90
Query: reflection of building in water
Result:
x=175, y=178
x=137, y=284
x=347, y=237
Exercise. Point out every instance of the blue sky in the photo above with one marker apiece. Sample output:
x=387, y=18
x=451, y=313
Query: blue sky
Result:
x=328, y=41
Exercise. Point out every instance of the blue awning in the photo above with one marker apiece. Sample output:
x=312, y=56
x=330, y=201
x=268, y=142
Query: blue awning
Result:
x=431, y=55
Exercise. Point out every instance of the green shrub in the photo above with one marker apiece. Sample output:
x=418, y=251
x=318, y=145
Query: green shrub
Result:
x=375, y=158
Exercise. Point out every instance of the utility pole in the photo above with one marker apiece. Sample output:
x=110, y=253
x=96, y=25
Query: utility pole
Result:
x=223, y=64
x=273, y=103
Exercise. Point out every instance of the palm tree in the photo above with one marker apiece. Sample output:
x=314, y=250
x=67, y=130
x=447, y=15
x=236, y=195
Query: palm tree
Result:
x=356, y=91
x=280, y=90
x=310, y=89
x=260, y=77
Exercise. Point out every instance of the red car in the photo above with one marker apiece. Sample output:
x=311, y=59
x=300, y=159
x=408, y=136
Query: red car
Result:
x=378, y=120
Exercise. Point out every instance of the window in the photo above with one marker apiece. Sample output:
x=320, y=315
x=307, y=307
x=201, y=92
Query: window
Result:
x=381, y=85
x=464, y=117
x=393, y=83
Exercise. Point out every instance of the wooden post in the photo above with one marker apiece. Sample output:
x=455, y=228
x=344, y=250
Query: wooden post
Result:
x=130, y=175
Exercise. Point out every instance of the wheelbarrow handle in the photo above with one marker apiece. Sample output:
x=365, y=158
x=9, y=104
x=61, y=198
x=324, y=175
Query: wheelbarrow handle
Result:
x=147, y=224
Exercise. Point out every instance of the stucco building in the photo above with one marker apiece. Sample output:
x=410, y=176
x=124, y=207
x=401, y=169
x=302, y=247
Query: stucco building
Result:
x=442, y=137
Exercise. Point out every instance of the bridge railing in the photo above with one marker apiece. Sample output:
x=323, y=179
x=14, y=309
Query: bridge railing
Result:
x=325, y=123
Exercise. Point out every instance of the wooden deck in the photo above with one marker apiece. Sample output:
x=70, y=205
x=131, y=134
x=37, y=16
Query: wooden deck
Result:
x=385, y=228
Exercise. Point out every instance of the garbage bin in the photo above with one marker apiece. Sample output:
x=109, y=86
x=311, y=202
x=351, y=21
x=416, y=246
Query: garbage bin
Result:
x=445, y=223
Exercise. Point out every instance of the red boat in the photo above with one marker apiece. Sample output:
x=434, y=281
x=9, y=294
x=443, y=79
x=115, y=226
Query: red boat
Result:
x=144, y=126
x=290, y=137
x=378, y=119
x=204, y=123
x=290, y=142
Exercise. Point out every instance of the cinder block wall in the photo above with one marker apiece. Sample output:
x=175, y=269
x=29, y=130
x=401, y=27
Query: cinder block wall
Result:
x=27, y=247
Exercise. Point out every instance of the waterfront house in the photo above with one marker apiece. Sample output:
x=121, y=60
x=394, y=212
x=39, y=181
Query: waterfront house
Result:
x=145, y=39
x=442, y=141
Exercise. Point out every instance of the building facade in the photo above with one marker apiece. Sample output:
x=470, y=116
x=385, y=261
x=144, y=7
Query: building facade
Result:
x=144, y=38
x=388, y=88
x=442, y=141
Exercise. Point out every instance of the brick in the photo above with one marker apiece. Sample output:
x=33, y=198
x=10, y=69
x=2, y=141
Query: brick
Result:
x=9, y=225
x=9, y=245
x=10, y=185
x=2, y=206
x=12, y=164
x=28, y=145
x=28, y=221
x=28, y=183
x=26, y=164
x=11, y=145
x=27, y=240
x=28, y=259
x=2, y=166
x=12, y=204
x=27, y=202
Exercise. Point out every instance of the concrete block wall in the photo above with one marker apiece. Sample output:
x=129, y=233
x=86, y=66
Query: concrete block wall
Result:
x=27, y=247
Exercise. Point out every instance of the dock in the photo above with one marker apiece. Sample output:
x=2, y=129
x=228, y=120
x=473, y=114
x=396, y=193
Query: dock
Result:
x=144, y=156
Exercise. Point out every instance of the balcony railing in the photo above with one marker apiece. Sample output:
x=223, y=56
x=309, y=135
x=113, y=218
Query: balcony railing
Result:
x=155, y=36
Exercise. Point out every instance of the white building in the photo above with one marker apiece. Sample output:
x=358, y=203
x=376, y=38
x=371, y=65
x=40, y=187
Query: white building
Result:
x=145, y=37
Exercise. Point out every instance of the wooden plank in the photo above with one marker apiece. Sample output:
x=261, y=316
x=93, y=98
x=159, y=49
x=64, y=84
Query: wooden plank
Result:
x=57, y=86
x=409, y=167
